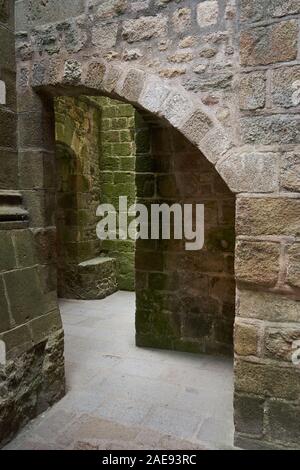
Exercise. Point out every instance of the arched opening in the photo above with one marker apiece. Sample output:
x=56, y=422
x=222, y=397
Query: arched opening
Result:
x=185, y=300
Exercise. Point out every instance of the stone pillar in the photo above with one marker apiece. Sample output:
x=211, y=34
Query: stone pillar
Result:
x=267, y=329
x=31, y=336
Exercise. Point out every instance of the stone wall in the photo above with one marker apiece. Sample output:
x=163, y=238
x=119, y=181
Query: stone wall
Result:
x=185, y=299
x=225, y=74
x=31, y=336
x=117, y=166
x=95, y=153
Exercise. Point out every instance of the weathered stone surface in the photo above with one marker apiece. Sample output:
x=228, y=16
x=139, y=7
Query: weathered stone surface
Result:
x=105, y=36
x=207, y=13
x=133, y=85
x=283, y=422
x=176, y=107
x=279, y=342
x=267, y=306
x=31, y=12
x=215, y=144
x=31, y=383
x=72, y=71
x=258, y=10
x=257, y=262
x=196, y=127
x=182, y=19
x=285, y=86
x=269, y=44
x=94, y=75
x=255, y=216
x=246, y=339
x=267, y=380
x=293, y=271
x=252, y=90
x=144, y=28
x=251, y=172
x=266, y=130
x=248, y=414
x=290, y=171
x=153, y=95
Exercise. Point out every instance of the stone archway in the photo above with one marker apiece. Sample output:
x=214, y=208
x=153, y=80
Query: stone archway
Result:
x=266, y=256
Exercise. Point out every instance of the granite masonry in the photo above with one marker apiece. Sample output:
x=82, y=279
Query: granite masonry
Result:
x=217, y=81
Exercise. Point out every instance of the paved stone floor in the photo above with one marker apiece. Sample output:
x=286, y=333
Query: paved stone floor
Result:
x=123, y=397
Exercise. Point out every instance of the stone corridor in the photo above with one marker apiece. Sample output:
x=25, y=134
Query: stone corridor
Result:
x=122, y=397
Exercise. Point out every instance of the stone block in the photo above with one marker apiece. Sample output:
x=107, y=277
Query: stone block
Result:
x=24, y=248
x=207, y=13
x=181, y=19
x=31, y=13
x=7, y=13
x=250, y=172
x=266, y=130
x=8, y=123
x=24, y=293
x=7, y=41
x=105, y=36
x=177, y=108
x=285, y=87
x=42, y=327
x=144, y=28
x=293, y=269
x=269, y=44
x=259, y=10
x=257, y=262
x=246, y=337
x=267, y=306
x=7, y=254
x=252, y=91
x=17, y=342
x=283, y=423
x=268, y=216
x=215, y=144
x=5, y=315
x=267, y=380
x=133, y=85
x=196, y=127
x=290, y=171
x=153, y=95
x=279, y=342
x=248, y=414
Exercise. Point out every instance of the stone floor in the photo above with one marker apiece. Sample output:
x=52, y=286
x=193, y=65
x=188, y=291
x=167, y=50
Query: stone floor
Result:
x=122, y=397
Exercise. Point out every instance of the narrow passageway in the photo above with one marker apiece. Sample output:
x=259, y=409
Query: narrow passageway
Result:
x=123, y=397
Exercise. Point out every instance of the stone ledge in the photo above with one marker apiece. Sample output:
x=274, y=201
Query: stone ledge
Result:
x=11, y=209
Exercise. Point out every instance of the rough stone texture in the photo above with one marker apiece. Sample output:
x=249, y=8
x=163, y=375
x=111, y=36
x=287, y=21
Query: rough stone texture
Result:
x=31, y=383
x=255, y=216
x=267, y=306
x=280, y=342
x=255, y=172
x=285, y=83
x=269, y=44
x=246, y=339
x=207, y=13
x=290, y=170
x=284, y=423
x=53, y=37
x=249, y=414
x=252, y=91
x=257, y=262
x=293, y=268
x=281, y=129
